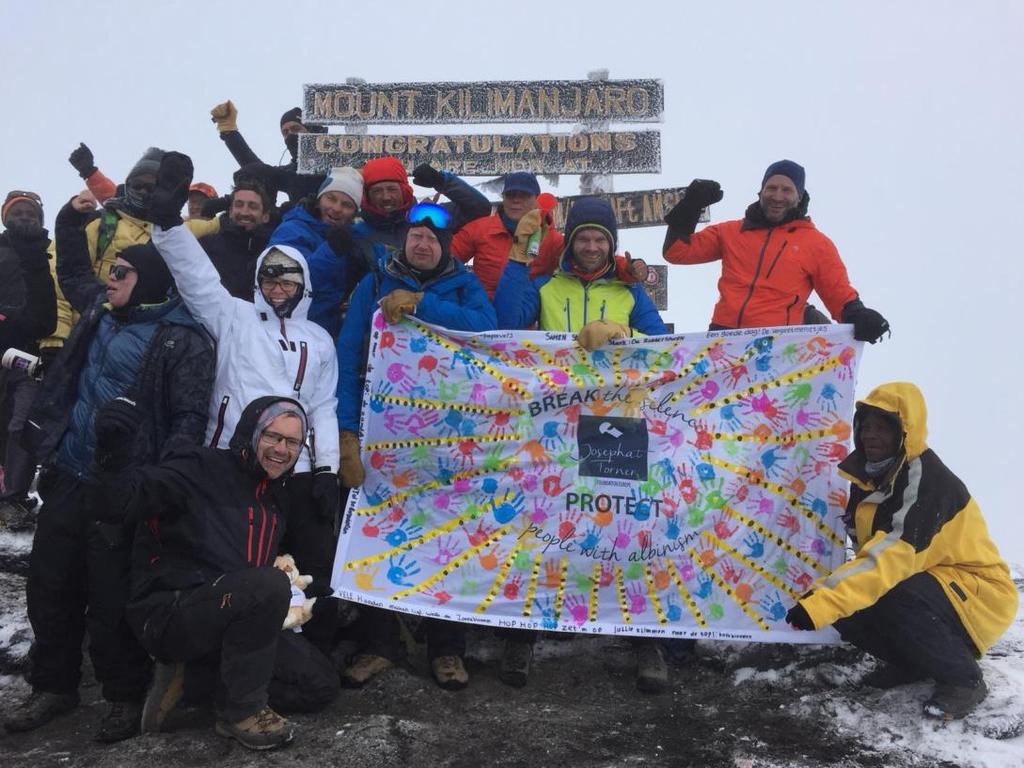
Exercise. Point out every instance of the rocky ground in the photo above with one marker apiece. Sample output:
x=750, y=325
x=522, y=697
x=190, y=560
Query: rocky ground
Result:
x=742, y=706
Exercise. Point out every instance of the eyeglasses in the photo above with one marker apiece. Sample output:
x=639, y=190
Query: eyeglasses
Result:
x=120, y=271
x=274, y=438
x=423, y=213
x=268, y=284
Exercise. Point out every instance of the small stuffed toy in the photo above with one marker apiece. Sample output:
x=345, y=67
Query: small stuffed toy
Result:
x=300, y=609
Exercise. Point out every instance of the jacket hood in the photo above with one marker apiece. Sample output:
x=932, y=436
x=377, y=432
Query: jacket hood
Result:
x=301, y=213
x=905, y=402
x=241, y=444
x=591, y=212
x=299, y=312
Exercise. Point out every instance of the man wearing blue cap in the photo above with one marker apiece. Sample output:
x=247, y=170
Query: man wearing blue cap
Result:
x=772, y=258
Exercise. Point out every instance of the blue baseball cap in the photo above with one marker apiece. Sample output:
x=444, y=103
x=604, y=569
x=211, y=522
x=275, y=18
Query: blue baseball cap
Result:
x=521, y=181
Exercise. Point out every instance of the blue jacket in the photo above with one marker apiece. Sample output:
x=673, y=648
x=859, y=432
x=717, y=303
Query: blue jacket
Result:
x=454, y=300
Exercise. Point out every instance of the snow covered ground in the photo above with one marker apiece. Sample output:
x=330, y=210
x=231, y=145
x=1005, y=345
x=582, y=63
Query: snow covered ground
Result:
x=738, y=705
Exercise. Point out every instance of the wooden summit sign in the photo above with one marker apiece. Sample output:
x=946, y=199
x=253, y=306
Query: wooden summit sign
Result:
x=539, y=101
x=644, y=208
x=488, y=154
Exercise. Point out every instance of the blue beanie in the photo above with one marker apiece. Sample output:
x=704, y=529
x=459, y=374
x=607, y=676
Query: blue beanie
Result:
x=792, y=171
x=591, y=213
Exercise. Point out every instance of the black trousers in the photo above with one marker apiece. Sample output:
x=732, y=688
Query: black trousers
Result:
x=238, y=615
x=377, y=632
x=914, y=627
x=78, y=581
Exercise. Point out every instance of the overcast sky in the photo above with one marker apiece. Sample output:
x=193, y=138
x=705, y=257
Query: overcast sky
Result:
x=907, y=117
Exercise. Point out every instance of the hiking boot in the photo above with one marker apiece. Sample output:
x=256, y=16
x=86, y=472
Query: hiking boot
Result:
x=164, y=693
x=364, y=667
x=515, y=663
x=121, y=722
x=449, y=673
x=38, y=709
x=264, y=730
x=952, y=702
x=886, y=676
x=651, y=669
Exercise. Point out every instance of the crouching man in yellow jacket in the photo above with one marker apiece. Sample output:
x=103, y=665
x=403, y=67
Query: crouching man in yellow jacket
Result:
x=927, y=592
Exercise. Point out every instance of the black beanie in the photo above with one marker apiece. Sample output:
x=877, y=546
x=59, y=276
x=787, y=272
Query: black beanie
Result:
x=293, y=115
x=148, y=163
x=154, y=279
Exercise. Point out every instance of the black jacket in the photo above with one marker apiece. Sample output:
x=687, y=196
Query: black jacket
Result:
x=28, y=300
x=234, y=251
x=175, y=381
x=275, y=178
x=203, y=512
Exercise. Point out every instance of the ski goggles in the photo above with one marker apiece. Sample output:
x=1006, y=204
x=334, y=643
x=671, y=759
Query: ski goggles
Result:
x=430, y=214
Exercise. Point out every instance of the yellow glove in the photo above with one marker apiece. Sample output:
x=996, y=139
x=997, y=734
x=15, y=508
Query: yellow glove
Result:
x=597, y=333
x=225, y=116
x=351, y=472
x=531, y=223
x=398, y=303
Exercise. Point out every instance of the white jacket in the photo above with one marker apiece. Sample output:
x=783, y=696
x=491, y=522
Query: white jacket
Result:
x=258, y=353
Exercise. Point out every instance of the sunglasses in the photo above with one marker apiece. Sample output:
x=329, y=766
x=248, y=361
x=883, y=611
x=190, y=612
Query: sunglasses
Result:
x=120, y=271
x=429, y=213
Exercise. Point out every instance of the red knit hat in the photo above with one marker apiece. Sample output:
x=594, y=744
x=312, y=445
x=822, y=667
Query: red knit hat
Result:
x=386, y=169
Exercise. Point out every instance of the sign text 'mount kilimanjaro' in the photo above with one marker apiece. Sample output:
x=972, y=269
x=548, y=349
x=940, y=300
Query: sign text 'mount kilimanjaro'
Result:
x=489, y=154
x=539, y=101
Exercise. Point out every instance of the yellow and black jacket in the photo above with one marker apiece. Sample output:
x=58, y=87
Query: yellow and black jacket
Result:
x=920, y=517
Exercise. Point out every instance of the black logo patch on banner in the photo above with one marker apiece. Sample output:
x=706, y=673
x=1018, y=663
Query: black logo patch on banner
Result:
x=613, y=447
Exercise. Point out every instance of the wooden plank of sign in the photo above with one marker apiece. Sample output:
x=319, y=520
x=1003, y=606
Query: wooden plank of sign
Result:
x=642, y=208
x=513, y=101
x=488, y=154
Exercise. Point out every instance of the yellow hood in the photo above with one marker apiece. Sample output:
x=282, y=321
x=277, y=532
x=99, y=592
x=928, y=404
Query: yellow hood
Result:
x=905, y=401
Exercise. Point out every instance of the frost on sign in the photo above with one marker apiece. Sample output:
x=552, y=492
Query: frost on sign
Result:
x=490, y=154
x=539, y=101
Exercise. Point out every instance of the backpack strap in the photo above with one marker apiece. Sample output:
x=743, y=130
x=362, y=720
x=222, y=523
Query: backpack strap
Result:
x=108, y=228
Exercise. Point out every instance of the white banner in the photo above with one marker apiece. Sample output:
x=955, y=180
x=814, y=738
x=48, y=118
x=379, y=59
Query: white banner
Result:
x=677, y=486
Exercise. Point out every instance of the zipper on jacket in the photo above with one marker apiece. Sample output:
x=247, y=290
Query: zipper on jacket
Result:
x=284, y=331
x=586, y=301
x=775, y=260
x=568, y=317
x=263, y=529
x=757, y=274
x=303, y=358
x=270, y=539
x=604, y=307
x=220, y=420
x=248, y=549
x=789, y=307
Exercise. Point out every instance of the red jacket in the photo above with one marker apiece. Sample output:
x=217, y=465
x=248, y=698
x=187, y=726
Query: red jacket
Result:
x=768, y=273
x=487, y=242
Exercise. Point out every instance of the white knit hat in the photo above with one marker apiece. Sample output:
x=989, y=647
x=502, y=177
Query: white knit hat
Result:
x=346, y=180
x=291, y=269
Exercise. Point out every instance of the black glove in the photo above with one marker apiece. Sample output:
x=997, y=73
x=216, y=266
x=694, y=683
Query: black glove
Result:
x=814, y=316
x=82, y=161
x=868, y=325
x=216, y=205
x=699, y=195
x=171, y=193
x=327, y=496
x=117, y=423
x=340, y=240
x=797, y=618
x=426, y=175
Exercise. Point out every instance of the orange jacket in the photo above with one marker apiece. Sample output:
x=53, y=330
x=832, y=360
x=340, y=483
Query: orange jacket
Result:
x=768, y=273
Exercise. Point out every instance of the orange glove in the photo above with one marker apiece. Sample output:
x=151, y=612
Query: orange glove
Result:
x=351, y=472
x=398, y=303
x=597, y=333
x=225, y=116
